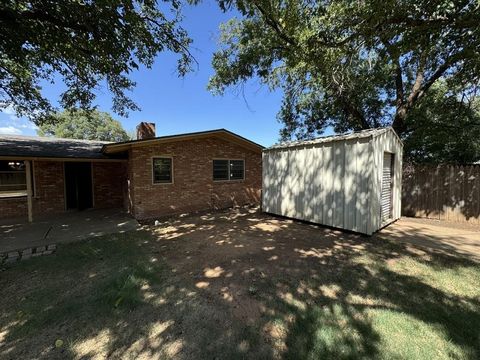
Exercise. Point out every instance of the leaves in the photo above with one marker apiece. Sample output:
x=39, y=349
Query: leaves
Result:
x=86, y=44
x=444, y=128
x=349, y=65
x=88, y=125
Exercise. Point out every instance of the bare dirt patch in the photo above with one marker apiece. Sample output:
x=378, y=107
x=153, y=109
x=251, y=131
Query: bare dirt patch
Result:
x=232, y=255
x=240, y=284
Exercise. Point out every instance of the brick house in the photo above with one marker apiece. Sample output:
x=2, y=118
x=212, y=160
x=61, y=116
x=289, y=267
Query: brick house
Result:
x=150, y=177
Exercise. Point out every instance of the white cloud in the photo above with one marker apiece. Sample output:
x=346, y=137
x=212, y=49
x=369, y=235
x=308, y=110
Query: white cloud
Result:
x=10, y=113
x=28, y=125
x=10, y=130
x=13, y=125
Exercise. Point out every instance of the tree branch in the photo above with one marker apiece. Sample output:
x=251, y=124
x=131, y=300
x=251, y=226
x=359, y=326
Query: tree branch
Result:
x=274, y=24
x=417, y=85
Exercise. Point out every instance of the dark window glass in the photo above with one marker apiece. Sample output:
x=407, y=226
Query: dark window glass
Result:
x=12, y=177
x=220, y=169
x=162, y=170
x=228, y=170
x=236, y=169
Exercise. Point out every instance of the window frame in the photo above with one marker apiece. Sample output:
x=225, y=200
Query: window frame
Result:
x=4, y=194
x=228, y=162
x=152, y=161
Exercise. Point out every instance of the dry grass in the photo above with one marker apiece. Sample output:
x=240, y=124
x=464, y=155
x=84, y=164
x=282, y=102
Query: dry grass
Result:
x=240, y=285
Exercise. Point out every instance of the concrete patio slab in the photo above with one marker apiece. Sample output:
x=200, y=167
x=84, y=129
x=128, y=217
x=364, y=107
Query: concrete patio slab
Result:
x=449, y=238
x=17, y=234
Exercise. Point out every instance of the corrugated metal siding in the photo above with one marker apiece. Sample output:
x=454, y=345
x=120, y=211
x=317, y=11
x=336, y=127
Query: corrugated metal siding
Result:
x=325, y=183
x=336, y=183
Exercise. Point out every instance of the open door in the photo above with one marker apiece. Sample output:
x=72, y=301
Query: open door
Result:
x=78, y=185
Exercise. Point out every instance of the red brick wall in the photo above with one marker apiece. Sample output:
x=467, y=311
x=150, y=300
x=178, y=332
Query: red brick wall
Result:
x=109, y=188
x=49, y=188
x=193, y=188
x=109, y=184
x=48, y=196
x=13, y=207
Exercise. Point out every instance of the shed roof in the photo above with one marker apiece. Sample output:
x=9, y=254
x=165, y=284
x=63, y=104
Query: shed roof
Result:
x=220, y=133
x=49, y=147
x=325, y=139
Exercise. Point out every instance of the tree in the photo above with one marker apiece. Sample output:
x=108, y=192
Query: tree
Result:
x=80, y=124
x=349, y=64
x=444, y=128
x=87, y=44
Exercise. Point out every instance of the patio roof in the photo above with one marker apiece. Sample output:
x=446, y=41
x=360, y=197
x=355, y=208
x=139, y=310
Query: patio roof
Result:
x=49, y=147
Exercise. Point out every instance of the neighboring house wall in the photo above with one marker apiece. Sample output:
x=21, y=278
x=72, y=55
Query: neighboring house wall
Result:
x=193, y=188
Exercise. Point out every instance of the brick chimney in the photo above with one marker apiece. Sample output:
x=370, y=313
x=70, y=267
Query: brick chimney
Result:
x=145, y=130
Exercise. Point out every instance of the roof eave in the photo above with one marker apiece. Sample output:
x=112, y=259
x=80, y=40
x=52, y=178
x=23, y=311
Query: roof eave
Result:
x=221, y=133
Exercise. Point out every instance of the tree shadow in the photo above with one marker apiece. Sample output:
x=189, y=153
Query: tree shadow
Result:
x=233, y=284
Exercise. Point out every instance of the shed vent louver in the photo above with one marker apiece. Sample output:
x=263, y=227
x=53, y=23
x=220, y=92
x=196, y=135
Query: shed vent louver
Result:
x=387, y=187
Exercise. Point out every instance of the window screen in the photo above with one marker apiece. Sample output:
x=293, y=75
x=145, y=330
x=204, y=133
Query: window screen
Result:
x=236, y=169
x=13, y=179
x=228, y=170
x=162, y=170
x=220, y=169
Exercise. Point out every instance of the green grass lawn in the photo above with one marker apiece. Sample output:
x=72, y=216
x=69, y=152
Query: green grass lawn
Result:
x=118, y=297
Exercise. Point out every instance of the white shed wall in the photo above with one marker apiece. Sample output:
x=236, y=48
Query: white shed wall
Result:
x=326, y=183
x=335, y=183
x=387, y=142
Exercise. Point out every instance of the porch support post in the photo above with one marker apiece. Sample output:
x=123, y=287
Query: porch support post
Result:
x=28, y=168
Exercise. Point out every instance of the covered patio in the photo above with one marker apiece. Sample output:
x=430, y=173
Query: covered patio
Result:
x=18, y=234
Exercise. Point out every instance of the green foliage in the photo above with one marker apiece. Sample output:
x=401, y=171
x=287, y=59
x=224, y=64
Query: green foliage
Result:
x=444, y=128
x=348, y=64
x=79, y=124
x=87, y=44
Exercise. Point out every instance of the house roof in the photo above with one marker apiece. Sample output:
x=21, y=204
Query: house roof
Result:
x=219, y=133
x=49, y=147
x=325, y=139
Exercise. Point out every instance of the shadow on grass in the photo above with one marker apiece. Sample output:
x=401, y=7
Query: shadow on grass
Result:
x=240, y=285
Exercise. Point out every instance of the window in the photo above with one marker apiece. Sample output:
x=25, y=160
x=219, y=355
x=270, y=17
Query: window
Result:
x=13, y=180
x=228, y=170
x=220, y=169
x=162, y=170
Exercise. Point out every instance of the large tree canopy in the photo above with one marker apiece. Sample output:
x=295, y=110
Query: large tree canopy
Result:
x=350, y=64
x=444, y=128
x=79, y=124
x=87, y=44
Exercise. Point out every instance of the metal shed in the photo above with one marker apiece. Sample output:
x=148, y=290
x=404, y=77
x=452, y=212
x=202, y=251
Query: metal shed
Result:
x=351, y=182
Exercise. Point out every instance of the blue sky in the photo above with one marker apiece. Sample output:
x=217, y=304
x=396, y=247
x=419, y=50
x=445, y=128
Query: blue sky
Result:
x=180, y=105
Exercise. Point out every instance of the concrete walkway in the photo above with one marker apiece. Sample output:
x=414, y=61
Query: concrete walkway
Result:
x=449, y=238
x=17, y=234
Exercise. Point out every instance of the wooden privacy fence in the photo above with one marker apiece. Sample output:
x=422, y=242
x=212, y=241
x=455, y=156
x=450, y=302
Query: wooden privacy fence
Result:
x=444, y=192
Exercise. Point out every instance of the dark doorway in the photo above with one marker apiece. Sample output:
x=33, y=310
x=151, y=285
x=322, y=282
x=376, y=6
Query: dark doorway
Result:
x=78, y=185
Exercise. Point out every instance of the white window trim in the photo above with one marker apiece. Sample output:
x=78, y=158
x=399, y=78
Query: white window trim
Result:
x=171, y=170
x=229, y=180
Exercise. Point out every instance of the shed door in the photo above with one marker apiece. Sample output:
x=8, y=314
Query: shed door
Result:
x=387, y=185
